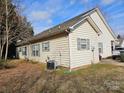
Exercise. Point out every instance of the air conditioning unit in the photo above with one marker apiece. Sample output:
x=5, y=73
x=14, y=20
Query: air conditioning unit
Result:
x=51, y=64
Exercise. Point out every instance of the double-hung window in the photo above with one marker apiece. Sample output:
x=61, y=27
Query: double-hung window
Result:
x=45, y=47
x=20, y=49
x=100, y=45
x=83, y=44
x=36, y=50
x=24, y=51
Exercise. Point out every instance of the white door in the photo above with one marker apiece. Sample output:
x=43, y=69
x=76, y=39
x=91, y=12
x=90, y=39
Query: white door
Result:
x=100, y=49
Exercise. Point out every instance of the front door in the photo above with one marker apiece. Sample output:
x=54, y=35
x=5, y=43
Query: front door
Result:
x=112, y=46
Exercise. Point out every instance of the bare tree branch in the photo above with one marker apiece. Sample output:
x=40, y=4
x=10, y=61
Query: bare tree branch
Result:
x=12, y=25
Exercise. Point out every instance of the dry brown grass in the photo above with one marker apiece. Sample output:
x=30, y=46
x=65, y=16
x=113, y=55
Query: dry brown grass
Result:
x=33, y=78
x=19, y=79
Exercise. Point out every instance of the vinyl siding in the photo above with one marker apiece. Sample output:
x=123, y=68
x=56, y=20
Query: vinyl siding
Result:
x=59, y=51
x=105, y=36
x=83, y=57
x=63, y=49
x=122, y=45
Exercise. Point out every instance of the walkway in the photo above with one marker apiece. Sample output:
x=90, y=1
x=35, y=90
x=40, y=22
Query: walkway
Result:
x=111, y=61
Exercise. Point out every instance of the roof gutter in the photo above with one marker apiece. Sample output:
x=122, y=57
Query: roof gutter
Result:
x=90, y=21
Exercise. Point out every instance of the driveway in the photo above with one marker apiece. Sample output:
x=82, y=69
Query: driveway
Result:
x=111, y=61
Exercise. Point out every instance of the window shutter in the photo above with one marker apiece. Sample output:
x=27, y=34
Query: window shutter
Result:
x=39, y=49
x=48, y=47
x=88, y=44
x=42, y=46
x=25, y=50
x=32, y=49
x=78, y=44
x=20, y=49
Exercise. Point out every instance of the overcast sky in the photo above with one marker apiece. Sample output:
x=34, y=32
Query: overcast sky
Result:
x=44, y=14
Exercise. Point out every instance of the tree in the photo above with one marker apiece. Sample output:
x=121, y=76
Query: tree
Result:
x=2, y=28
x=21, y=31
x=119, y=36
x=13, y=26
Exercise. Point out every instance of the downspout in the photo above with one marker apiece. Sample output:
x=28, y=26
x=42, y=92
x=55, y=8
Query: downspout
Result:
x=69, y=30
x=29, y=50
x=69, y=52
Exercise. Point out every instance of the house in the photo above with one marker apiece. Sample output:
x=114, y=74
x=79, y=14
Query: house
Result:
x=74, y=43
x=120, y=43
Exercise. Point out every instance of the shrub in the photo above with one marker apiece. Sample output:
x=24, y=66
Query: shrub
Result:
x=2, y=63
x=6, y=65
x=33, y=62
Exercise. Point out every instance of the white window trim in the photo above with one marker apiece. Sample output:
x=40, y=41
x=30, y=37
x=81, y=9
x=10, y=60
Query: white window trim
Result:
x=43, y=48
x=35, y=48
x=24, y=51
x=79, y=43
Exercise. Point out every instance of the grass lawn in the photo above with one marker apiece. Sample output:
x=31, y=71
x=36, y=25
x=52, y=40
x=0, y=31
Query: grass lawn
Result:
x=33, y=78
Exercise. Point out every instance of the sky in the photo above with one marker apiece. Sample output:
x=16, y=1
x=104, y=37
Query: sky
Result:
x=44, y=14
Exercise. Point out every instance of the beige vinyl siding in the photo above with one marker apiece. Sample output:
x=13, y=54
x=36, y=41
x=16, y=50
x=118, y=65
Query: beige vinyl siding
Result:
x=122, y=45
x=105, y=37
x=63, y=48
x=59, y=51
x=83, y=57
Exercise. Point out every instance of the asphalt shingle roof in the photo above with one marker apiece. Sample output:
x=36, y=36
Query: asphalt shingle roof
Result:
x=56, y=29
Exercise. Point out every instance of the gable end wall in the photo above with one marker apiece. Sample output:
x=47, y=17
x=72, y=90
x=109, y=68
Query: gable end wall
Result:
x=105, y=37
x=83, y=57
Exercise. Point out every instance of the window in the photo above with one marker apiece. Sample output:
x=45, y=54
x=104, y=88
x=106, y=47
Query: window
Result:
x=83, y=44
x=36, y=50
x=20, y=49
x=100, y=45
x=24, y=51
x=45, y=47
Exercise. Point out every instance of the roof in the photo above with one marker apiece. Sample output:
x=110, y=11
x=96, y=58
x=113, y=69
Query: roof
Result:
x=120, y=42
x=65, y=25
x=61, y=28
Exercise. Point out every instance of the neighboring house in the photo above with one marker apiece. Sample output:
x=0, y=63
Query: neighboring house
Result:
x=74, y=43
x=120, y=43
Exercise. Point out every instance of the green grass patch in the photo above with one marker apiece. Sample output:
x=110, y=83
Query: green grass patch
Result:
x=94, y=68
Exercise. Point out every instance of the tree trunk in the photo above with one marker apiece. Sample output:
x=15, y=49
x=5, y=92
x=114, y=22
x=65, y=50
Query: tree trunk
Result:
x=6, y=53
x=1, y=52
x=7, y=30
x=0, y=55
